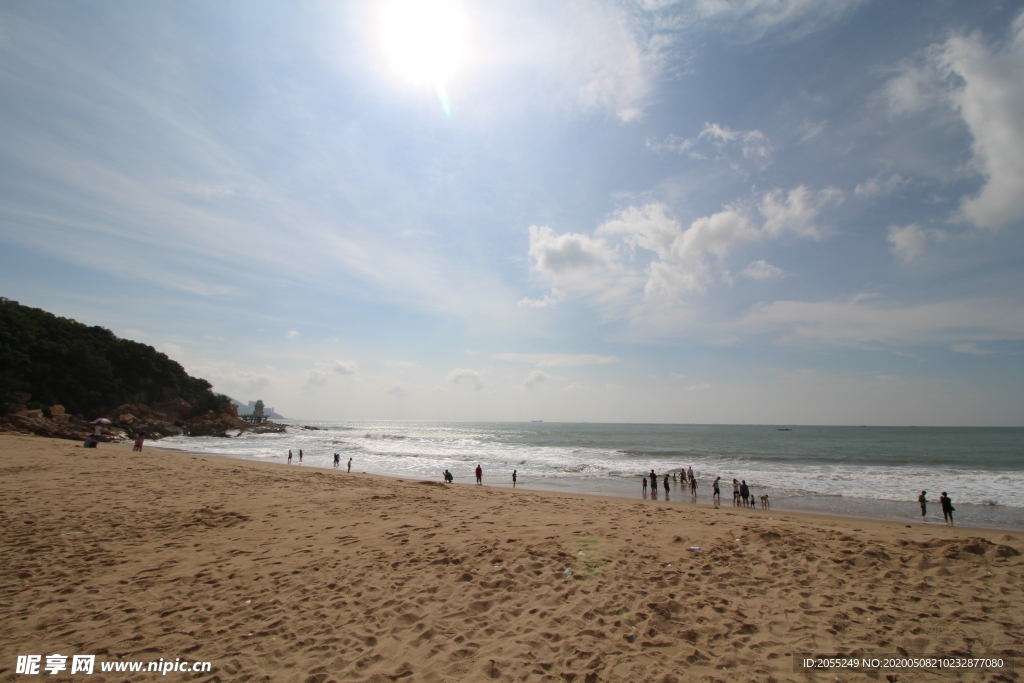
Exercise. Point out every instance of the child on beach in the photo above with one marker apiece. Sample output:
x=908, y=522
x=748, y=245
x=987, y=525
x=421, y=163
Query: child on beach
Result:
x=923, y=502
x=645, y=486
x=139, y=440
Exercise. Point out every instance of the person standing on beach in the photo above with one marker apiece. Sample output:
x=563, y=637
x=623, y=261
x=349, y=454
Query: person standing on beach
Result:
x=350, y=464
x=513, y=478
x=716, y=493
x=744, y=492
x=289, y=456
x=654, y=483
x=665, y=484
x=693, y=488
x=337, y=459
x=924, y=504
x=645, y=487
x=947, y=508
x=735, y=493
x=300, y=455
x=479, y=475
x=139, y=440
x=689, y=472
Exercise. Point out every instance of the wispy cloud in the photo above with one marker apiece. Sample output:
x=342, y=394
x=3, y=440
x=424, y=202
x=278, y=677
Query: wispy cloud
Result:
x=552, y=360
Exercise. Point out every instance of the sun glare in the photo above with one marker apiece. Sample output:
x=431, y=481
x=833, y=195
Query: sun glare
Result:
x=425, y=41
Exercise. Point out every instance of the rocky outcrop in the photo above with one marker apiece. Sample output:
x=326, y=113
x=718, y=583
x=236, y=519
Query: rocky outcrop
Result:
x=130, y=420
x=59, y=425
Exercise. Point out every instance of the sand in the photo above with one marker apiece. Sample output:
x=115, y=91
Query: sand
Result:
x=288, y=573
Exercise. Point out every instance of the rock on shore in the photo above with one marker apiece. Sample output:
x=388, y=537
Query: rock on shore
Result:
x=130, y=420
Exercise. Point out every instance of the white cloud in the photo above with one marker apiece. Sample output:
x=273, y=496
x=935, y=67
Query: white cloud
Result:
x=752, y=145
x=398, y=389
x=762, y=270
x=549, y=299
x=316, y=378
x=879, y=187
x=797, y=211
x=683, y=260
x=467, y=378
x=758, y=19
x=172, y=350
x=908, y=242
x=914, y=89
x=292, y=334
x=551, y=360
x=536, y=378
x=972, y=349
x=345, y=367
x=562, y=254
x=698, y=387
x=991, y=102
x=866, y=321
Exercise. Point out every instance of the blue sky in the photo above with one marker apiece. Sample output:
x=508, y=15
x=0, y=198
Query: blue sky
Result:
x=732, y=211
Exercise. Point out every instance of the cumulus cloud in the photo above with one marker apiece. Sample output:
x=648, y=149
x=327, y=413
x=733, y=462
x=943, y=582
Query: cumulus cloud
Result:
x=345, y=367
x=909, y=241
x=762, y=270
x=292, y=334
x=551, y=360
x=466, y=378
x=549, y=299
x=991, y=102
x=536, y=378
x=796, y=211
x=563, y=254
x=679, y=260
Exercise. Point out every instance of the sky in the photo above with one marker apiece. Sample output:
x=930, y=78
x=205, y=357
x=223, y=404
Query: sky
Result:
x=682, y=211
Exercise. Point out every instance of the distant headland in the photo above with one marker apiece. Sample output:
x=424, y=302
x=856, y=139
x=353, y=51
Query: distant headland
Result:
x=58, y=377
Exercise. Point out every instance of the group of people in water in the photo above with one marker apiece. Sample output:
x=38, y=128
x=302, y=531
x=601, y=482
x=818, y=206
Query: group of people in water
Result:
x=741, y=495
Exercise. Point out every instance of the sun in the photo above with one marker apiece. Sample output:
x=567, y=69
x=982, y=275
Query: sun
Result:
x=425, y=41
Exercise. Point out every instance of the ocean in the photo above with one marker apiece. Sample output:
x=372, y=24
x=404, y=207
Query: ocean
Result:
x=874, y=472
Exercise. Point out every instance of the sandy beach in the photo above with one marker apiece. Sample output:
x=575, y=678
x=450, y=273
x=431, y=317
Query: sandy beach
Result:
x=286, y=573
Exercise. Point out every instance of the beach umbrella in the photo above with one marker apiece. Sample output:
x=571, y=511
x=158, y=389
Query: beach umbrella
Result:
x=102, y=421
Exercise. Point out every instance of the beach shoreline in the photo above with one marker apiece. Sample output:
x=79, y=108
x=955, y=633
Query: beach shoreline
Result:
x=992, y=518
x=292, y=574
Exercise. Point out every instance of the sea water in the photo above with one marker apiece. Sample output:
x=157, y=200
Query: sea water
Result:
x=860, y=471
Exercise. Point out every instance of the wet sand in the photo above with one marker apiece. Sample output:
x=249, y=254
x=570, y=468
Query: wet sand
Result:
x=277, y=573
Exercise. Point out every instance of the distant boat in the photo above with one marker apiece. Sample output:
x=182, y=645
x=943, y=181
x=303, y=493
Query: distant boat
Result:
x=536, y=420
x=785, y=429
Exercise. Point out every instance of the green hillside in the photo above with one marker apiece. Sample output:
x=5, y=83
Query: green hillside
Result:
x=87, y=369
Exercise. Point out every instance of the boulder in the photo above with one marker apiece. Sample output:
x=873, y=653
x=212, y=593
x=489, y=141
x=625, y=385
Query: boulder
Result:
x=58, y=415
